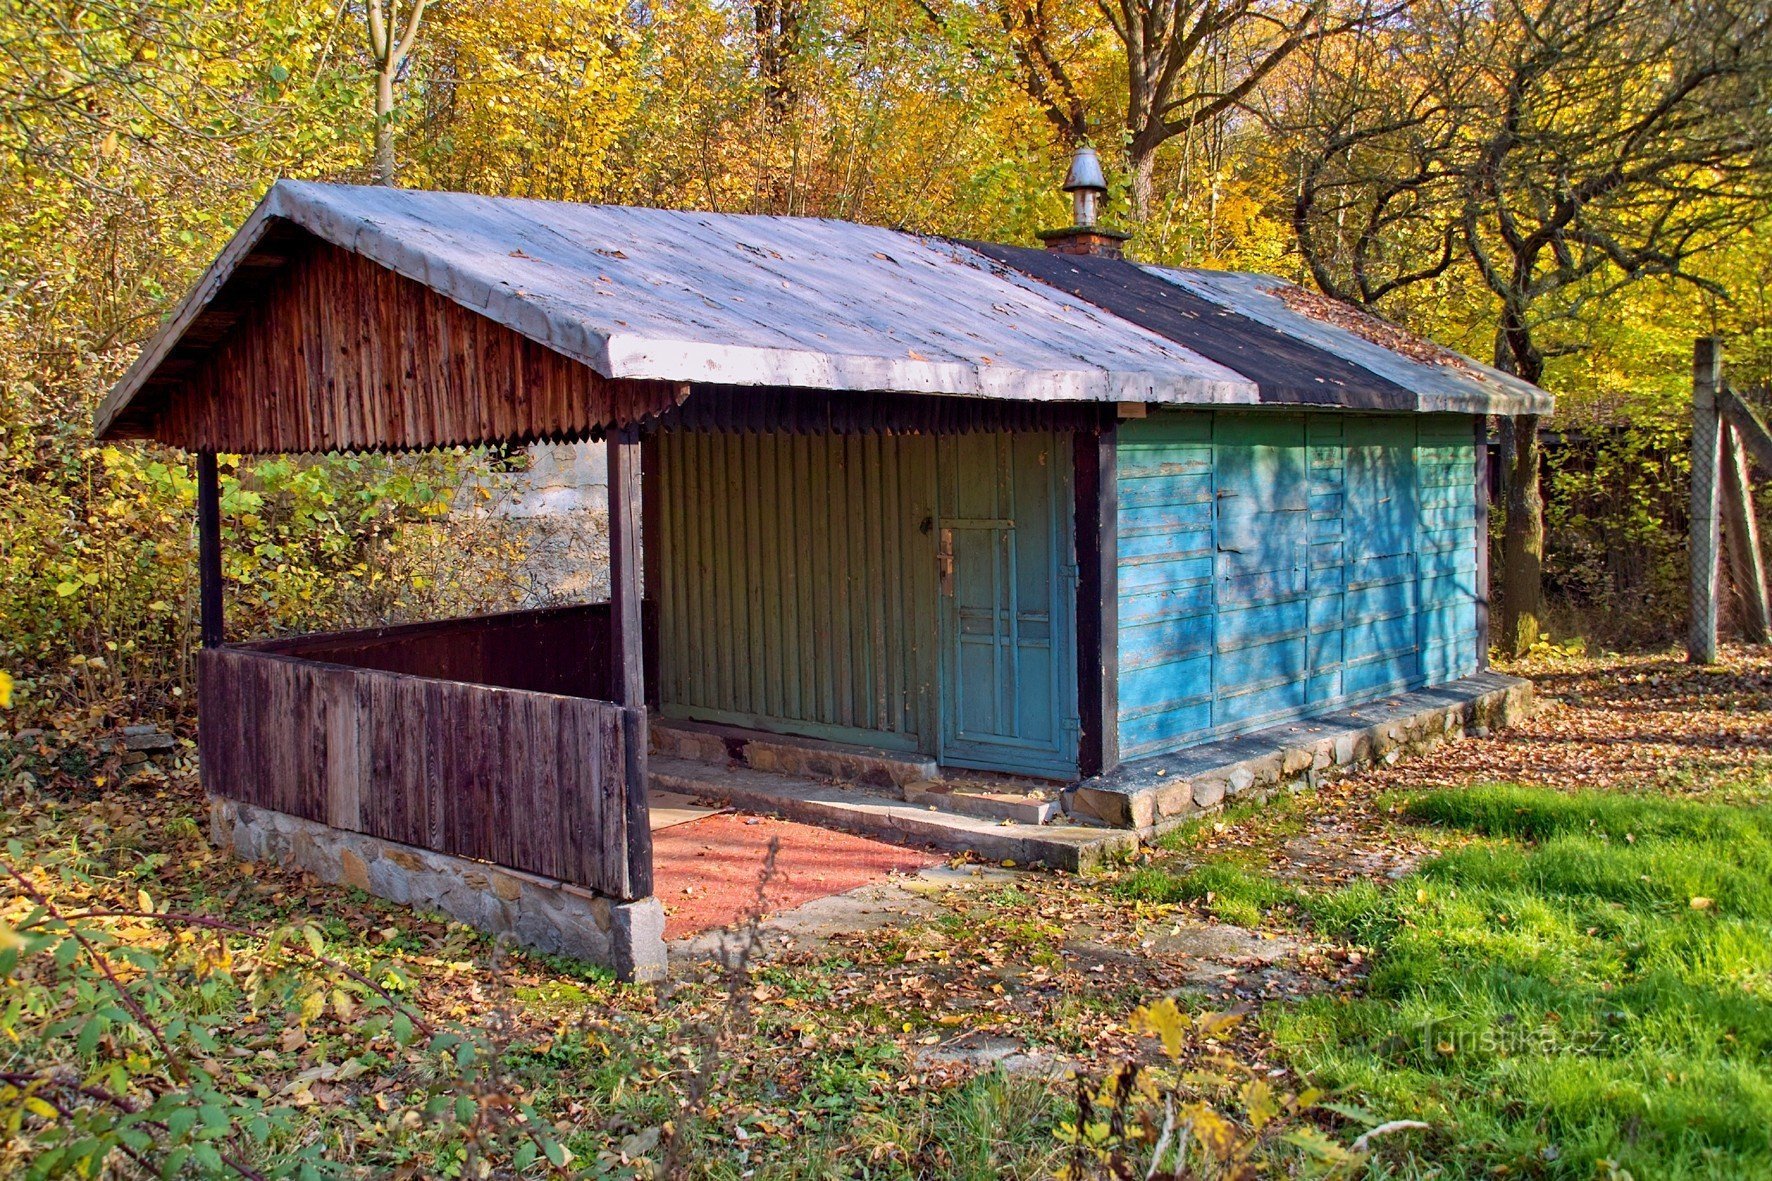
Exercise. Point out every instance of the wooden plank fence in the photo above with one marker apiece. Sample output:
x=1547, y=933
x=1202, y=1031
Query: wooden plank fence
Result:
x=552, y=650
x=528, y=780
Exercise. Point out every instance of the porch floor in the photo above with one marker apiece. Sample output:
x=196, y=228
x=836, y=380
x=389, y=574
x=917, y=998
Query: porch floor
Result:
x=707, y=870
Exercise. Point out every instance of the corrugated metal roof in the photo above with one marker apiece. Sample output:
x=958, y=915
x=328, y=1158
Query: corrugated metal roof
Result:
x=805, y=303
x=1286, y=371
x=1452, y=382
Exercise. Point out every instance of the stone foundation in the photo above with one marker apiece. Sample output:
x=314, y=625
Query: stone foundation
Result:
x=1155, y=794
x=537, y=912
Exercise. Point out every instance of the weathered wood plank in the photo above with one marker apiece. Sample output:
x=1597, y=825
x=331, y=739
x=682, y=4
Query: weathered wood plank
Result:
x=540, y=782
x=1741, y=532
x=1753, y=432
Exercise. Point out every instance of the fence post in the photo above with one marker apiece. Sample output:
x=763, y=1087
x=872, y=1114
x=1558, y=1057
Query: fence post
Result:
x=1707, y=371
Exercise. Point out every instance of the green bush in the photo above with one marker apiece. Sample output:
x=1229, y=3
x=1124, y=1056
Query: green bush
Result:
x=98, y=593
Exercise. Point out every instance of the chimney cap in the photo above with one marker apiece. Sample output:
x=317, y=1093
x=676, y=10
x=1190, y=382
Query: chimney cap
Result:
x=1085, y=172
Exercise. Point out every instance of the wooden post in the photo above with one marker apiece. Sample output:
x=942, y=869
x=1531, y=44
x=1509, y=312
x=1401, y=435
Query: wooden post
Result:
x=627, y=672
x=1749, y=430
x=1096, y=490
x=652, y=567
x=209, y=567
x=1747, y=569
x=1482, y=478
x=1707, y=373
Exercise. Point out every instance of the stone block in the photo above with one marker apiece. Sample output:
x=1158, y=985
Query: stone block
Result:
x=1117, y=809
x=1174, y=799
x=1209, y=791
x=355, y=873
x=538, y=912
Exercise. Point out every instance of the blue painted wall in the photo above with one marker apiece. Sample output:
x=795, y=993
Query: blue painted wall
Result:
x=1274, y=565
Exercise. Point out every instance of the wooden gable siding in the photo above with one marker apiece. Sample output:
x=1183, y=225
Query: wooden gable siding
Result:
x=337, y=353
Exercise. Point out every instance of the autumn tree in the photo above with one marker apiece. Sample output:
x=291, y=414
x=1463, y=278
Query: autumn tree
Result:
x=1182, y=64
x=1555, y=151
x=391, y=36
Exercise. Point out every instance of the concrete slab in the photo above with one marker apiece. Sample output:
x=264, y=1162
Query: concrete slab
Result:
x=667, y=809
x=537, y=912
x=1155, y=793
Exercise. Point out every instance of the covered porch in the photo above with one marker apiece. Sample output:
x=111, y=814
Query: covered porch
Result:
x=497, y=767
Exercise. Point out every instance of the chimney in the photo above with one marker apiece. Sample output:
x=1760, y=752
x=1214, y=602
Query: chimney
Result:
x=1087, y=187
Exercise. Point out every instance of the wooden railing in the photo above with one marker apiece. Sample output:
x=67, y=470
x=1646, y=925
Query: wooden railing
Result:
x=554, y=650
x=483, y=757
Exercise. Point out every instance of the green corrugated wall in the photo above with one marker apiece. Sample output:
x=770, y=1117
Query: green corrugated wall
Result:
x=798, y=584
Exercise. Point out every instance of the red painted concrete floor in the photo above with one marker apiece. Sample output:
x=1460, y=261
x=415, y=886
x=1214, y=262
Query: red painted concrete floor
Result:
x=706, y=871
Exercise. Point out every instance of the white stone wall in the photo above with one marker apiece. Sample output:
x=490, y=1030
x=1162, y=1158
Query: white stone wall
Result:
x=560, y=506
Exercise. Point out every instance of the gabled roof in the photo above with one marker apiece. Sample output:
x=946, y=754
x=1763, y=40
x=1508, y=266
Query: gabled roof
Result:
x=806, y=303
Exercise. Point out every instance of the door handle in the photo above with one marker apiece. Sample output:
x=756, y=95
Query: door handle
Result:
x=944, y=561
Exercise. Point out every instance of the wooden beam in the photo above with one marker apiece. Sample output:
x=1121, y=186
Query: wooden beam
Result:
x=1096, y=491
x=627, y=676
x=1748, y=427
x=209, y=563
x=1707, y=373
x=1741, y=533
x=627, y=673
x=1483, y=600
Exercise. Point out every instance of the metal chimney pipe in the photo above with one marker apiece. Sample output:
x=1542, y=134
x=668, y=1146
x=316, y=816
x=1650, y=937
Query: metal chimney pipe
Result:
x=1087, y=185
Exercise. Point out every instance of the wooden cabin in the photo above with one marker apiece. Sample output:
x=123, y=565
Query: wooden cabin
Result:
x=1005, y=511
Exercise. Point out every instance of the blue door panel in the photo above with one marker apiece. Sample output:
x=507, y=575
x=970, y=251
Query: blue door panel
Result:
x=1007, y=672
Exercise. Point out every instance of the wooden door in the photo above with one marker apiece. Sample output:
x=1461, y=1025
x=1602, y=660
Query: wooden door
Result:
x=1006, y=587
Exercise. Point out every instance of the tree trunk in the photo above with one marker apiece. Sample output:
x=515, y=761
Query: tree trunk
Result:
x=384, y=127
x=1144, y=183
x=1522, y=549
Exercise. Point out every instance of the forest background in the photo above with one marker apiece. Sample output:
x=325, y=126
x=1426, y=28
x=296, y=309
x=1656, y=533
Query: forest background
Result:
x=1575, y=189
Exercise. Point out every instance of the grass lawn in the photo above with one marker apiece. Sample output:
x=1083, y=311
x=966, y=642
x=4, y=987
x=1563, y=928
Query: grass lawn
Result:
x=1552, y=947
x=1583, y=988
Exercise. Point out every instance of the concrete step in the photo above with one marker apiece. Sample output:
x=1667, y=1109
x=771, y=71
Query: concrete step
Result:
x=989, y=802
x=1054, y=846
x=707, y=742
